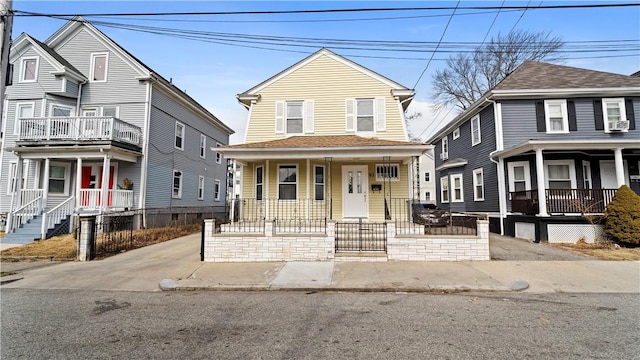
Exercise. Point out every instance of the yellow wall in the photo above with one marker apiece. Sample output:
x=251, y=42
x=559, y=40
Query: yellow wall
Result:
x=328, y=83
x=399, y=189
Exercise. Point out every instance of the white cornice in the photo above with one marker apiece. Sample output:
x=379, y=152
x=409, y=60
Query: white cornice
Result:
x=582, y=144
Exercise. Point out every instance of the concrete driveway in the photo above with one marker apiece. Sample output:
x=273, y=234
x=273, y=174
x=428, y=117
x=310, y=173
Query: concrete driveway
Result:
x=513, y=249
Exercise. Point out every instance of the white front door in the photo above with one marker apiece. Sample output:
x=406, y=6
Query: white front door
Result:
x=354, y=191
x=608, y=174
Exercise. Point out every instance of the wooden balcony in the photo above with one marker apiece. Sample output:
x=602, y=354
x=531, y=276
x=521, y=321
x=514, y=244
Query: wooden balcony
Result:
x=580, y=201
x=78, y=128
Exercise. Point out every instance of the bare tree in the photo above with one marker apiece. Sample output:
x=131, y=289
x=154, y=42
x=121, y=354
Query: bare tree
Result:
x=408, y=119
x=469, y=75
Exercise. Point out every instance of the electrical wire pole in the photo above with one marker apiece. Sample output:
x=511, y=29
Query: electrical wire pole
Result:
x=6, y=23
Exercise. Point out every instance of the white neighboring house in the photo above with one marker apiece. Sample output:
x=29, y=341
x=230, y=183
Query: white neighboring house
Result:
x=427, y=173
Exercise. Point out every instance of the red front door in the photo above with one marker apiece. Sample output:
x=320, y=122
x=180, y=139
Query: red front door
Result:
x=90, y=180
x=111, y=172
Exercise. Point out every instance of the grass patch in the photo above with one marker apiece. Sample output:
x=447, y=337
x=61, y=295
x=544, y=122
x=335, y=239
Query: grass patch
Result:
x=603, y=250
x=64, y=246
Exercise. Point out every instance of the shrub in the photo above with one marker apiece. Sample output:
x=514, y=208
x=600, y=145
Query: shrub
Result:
x=622, y=216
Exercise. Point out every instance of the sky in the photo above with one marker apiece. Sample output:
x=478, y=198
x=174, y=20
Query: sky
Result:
x=214, y=71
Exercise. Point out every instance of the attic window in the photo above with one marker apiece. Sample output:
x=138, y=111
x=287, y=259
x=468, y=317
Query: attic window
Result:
x=99, y=64
x=29, y=69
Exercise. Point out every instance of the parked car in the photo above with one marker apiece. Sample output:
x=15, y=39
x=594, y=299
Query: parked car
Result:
x=430, y=215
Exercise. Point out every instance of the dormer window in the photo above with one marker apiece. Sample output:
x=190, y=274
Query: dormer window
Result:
x=99, y=64
x=29, y=69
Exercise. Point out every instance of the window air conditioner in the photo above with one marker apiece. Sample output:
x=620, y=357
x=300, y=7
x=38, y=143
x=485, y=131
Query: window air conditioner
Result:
x=619, y=125
x=444, y=156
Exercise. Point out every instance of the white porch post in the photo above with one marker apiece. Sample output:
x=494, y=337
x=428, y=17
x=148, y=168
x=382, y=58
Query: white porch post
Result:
x=18, y=186
x=15, y=203
x=617, y=153
x=104, y=187
x=78, y=182
x=308, y=181
x=45, y=180
x=265, y=196
x=542, y=199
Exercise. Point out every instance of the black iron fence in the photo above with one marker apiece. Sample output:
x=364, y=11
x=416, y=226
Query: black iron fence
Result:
x=361, y=236
x=412, y=217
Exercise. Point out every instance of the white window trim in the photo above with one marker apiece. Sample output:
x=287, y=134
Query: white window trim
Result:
x=442, y=181
x=92, y=66
x=203, y=146
x=182, y=133
x=286, y=116
x=23, y=69
x=427, y=176
x=565, y=116
x=255, y=178
x=605, y=115
x=218, y=154
x=16, y=124
x=476, y=184
x=456, y=133
x=324, y=183
x=572, y=171
x=453, y=188
x=444, y=155
x=67, y=172
x=297, y=182
x=201, y=187
x=477, y=141
x=586, y=175
x=380, y=178
x=84, y=112
x=216, y=194
x=173, y=177
x=527, y=175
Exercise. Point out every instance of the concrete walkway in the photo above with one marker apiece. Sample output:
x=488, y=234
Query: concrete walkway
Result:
x=175, y=265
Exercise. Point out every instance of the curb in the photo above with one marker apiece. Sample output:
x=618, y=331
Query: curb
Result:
x=9, y=279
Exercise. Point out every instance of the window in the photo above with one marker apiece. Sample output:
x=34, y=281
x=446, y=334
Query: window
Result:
x=218, y=155
x=444, y=189
x=58, y=176
x=89, y=112
x=179, y=143
x=29, y=69
x=586, y=174
x=177, y=184
x=259, y=182
x=110, y=111
x=23, y=111
x=560, y=174
x=99, y=64
x=475, y=130
x=555, y=113
x=456, y=133
x=387, y=172
x=519, y=178
x=364, y=115
x=11, y=185
x=200, y=187
x=203, y=145
x=456, y=180
x=478, y=185
x=60, y=110
x=615, y=117
x=427, y=176
x=293, y=122
x=427, y=195
x=287, y=182
x=444, y=155
x=319, y=183
x=216, y=190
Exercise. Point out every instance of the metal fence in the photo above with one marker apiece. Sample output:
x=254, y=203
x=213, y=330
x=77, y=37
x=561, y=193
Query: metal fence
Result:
x=361, y=236
x=412, y=217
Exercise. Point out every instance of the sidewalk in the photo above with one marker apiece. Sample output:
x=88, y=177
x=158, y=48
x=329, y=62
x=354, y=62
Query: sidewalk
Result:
x=175, y=265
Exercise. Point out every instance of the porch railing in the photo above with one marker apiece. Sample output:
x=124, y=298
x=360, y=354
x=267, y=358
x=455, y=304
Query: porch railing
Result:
x=57, y=214
x=301, y=215
x=116, y=198
x=581, y=201
x=79, y=128
x=24, y=214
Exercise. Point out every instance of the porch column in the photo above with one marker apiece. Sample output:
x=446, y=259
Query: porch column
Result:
x=266, y=190
x=78, y=181
x=308, y=186
x=104, y=187
x=617, y=153
x=542, y=198
x=17, y=185
x=45, y=179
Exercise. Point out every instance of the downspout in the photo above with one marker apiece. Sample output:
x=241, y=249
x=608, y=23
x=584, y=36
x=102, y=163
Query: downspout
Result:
x=145, y=151
x=79, y=98
x=502, y=195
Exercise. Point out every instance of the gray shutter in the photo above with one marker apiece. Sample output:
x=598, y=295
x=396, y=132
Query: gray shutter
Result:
x=349, y=114
x=628, y=104
x=571, y=113
x=380, y=115
x=279, y=117
x=542, y=125
x=597, y=113
x=308, y=116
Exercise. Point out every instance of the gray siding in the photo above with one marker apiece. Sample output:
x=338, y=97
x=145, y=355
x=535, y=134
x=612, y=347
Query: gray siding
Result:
x=519, y=123
x=164, y=157
x=33, y=90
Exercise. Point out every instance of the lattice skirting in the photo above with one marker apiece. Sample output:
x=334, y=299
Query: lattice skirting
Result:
x=571, y=233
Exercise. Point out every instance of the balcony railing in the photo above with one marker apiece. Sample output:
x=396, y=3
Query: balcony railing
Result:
x=79, y=128
x=581, y=201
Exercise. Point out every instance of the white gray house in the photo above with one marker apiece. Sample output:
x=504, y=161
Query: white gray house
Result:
x=90, y=129
x=542, y=151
